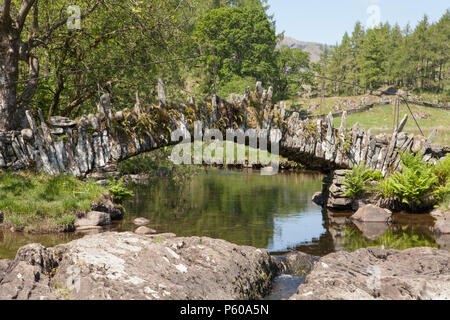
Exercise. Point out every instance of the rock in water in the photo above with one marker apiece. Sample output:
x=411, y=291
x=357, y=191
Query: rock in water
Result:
x=374, y=273
x=372, y=213
x=94, y=218
x=317, y=198
x=128, y=266
x=144, y=230
x=106, y=205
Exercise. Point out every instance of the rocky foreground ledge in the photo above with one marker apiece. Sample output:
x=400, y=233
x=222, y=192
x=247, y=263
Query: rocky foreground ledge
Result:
x=129, y=266
x=374, y=273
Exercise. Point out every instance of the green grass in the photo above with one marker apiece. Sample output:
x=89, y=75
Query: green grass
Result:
x=381, y=120
x=40, y=203
x=441, y=99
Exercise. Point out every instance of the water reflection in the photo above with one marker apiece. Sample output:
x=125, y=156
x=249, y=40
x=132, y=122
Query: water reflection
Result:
x=10, y=242
x=273, y=212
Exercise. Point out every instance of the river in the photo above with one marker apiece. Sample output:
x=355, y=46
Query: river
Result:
x=247, y=208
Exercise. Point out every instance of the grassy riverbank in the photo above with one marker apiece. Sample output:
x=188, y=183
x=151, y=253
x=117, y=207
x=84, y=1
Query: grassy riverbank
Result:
x=40, y=203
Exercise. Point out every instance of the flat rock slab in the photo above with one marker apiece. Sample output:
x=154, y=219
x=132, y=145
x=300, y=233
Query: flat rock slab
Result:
x=58, y=121
x=129, y=266
x=144, y=230
x=377, y=274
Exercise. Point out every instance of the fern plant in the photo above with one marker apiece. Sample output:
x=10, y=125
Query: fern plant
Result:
x=357, y=180
x=414, y=184
x=442, y=170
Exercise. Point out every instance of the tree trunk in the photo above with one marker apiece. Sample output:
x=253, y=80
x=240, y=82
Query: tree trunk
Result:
x=9, y=74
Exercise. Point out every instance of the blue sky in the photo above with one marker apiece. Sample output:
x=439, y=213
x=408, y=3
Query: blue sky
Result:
x=326, y=21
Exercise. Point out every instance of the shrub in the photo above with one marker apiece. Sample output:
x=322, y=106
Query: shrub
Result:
x=357, y=180
x=119, y=191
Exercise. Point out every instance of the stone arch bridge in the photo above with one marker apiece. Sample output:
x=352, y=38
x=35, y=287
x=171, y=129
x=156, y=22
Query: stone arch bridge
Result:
x=97, y=142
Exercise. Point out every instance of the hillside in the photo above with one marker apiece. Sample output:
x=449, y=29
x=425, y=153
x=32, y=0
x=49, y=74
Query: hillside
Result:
x=315, y=49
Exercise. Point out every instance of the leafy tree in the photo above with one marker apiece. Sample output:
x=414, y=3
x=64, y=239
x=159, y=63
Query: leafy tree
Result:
x=387, y=55
x=238, y=42
x=289, y=63
x=371, y=58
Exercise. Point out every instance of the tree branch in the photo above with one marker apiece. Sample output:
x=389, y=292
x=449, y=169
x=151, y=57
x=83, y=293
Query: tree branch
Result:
x=79, y=100
x=23, y=13
x=61, y=23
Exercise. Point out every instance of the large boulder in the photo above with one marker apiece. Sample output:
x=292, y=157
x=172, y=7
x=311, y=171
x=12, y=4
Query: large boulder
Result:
x=374, y=273
x=93, y=219
x=442, y=225
x=440, y=213
x=372, y=213
x=443, y=240
x=27, y=277
x=129, y=266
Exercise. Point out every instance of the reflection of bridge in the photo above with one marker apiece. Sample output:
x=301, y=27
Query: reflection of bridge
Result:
x=97, y=142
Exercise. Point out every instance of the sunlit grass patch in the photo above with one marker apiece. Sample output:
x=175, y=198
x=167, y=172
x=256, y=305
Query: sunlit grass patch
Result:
x=381, y=120
x=43, y=203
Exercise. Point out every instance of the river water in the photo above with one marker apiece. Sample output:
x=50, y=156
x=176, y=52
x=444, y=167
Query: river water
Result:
x=247, y=208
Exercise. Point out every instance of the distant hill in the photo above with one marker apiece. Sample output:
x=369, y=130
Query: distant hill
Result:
x=315, y=49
